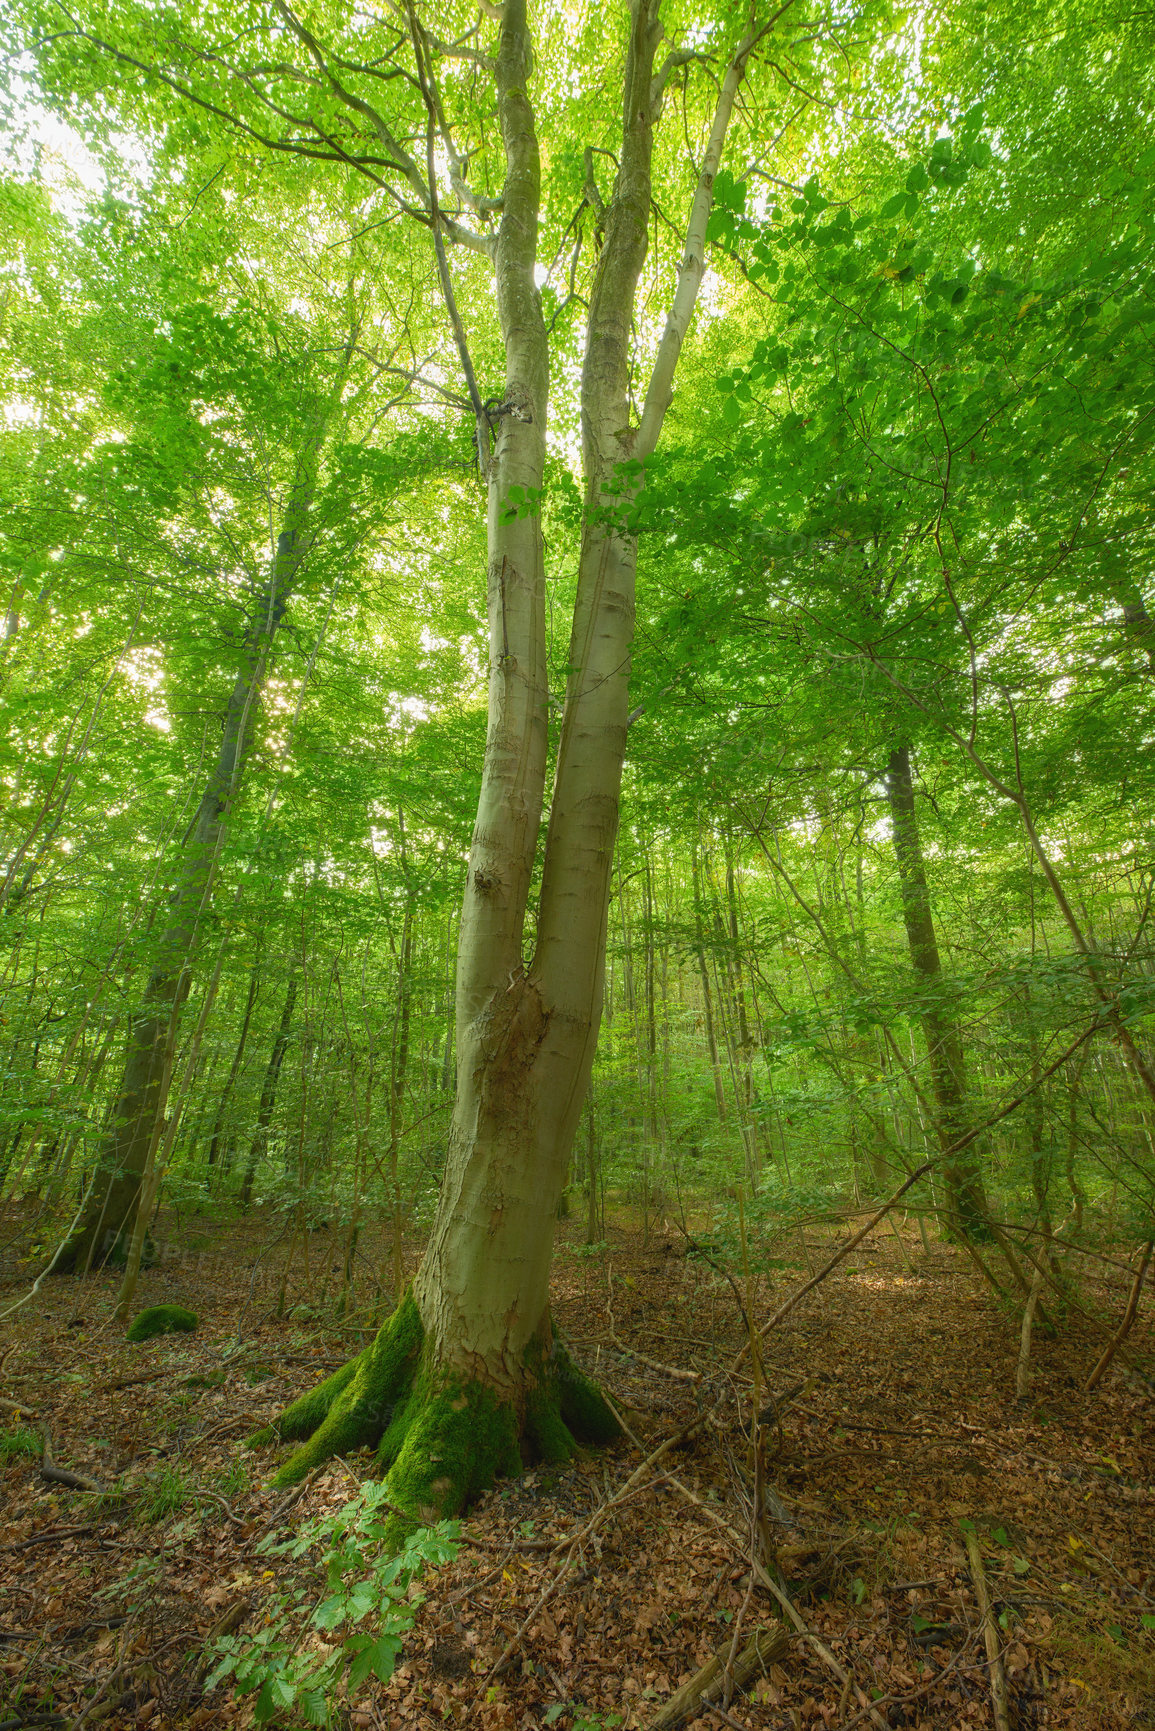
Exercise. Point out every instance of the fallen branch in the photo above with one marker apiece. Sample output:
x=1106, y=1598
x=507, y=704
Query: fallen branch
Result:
x=656, y=1364
x=51, y=1537
x=999, y=1699
x=61, y=1476
x=762, y=1650
x=776, y=1592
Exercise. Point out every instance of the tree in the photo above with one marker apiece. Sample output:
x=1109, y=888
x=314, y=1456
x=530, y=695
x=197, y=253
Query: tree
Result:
x=468, y=1373
x=138, y=1115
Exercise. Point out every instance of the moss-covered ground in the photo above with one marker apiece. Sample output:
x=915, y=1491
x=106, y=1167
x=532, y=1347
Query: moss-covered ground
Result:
x=162, y=1319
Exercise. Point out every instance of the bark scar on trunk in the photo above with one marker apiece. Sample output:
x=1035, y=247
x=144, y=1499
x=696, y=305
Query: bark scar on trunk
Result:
x=513, y=1031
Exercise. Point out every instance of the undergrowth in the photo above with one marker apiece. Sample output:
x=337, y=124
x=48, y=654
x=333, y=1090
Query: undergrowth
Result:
x=368, y=1603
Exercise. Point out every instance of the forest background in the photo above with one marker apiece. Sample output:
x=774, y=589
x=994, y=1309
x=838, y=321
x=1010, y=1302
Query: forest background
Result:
x=883, y=866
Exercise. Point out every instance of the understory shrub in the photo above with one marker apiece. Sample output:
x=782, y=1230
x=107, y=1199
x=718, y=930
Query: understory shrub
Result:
x=368, y=1603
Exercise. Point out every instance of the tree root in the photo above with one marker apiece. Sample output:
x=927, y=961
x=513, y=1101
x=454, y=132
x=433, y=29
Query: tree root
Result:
x=440, y=1440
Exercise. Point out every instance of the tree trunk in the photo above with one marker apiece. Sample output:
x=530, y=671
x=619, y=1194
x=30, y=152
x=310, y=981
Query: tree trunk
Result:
x=963, y=1173
x=707, y=1006
x=269, y=1090
x=467, y=1378
x=238, y=1060
x=141, y=1102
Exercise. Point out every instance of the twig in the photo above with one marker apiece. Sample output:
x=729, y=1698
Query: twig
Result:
x=655, y=1364
x=286, y=1503
x=1124, y=1327
x=776, y=1592
x=60, y=1476
x=999, y=1700
x=49, y=1537
x=948, y=1153
x=573, y=1540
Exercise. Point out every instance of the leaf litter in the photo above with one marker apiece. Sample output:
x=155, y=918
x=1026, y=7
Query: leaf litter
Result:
x=583, y=1598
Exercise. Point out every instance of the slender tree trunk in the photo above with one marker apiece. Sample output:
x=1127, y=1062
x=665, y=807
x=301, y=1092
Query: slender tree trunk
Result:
x=143, y=1091
x=963, y=1174
x=268, y=1100
x=707, y=1004
x=234, y=1068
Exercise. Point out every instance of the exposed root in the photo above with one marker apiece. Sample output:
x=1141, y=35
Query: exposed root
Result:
x=440, y=1440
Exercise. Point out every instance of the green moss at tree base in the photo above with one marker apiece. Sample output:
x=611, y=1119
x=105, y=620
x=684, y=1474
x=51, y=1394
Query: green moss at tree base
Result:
x=162, y=1319
x=355, y=1405
x=441, y=1440
x=583, y=1405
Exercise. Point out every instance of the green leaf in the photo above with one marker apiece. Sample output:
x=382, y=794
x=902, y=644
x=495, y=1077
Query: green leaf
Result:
x=383, y=1656
x=313, y=1707
x=284, y=1693
x=360, y=1668
x=917, y=178
x=892, y=206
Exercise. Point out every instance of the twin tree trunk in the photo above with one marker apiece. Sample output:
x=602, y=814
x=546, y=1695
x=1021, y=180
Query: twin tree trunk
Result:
x=468, y=1380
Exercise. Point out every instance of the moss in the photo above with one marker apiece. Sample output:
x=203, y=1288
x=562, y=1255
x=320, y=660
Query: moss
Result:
x=440, y=1440
x=455, y=1438
x=352, y=1407
x=162, y=1319
x=302, y=1418
x=583, y=1406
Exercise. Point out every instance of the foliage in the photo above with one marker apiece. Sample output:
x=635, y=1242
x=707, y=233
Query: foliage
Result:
x=300, y=1677
x=19, y=1443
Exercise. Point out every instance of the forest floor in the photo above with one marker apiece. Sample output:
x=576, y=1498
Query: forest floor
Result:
x=904, y=1439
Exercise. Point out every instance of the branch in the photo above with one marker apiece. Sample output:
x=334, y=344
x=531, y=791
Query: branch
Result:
x=661, y=384
x=456, y=325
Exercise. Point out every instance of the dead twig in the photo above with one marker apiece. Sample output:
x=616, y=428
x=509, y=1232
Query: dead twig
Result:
x=61, y=1476
x=999, y=1698
x=776, y=1592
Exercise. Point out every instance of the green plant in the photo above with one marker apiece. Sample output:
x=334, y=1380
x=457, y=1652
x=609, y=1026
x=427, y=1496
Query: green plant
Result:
x=17, y=1443
x=162, y=1319
x=164, y=1493
x=235, y=1480
x=367, y=1606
